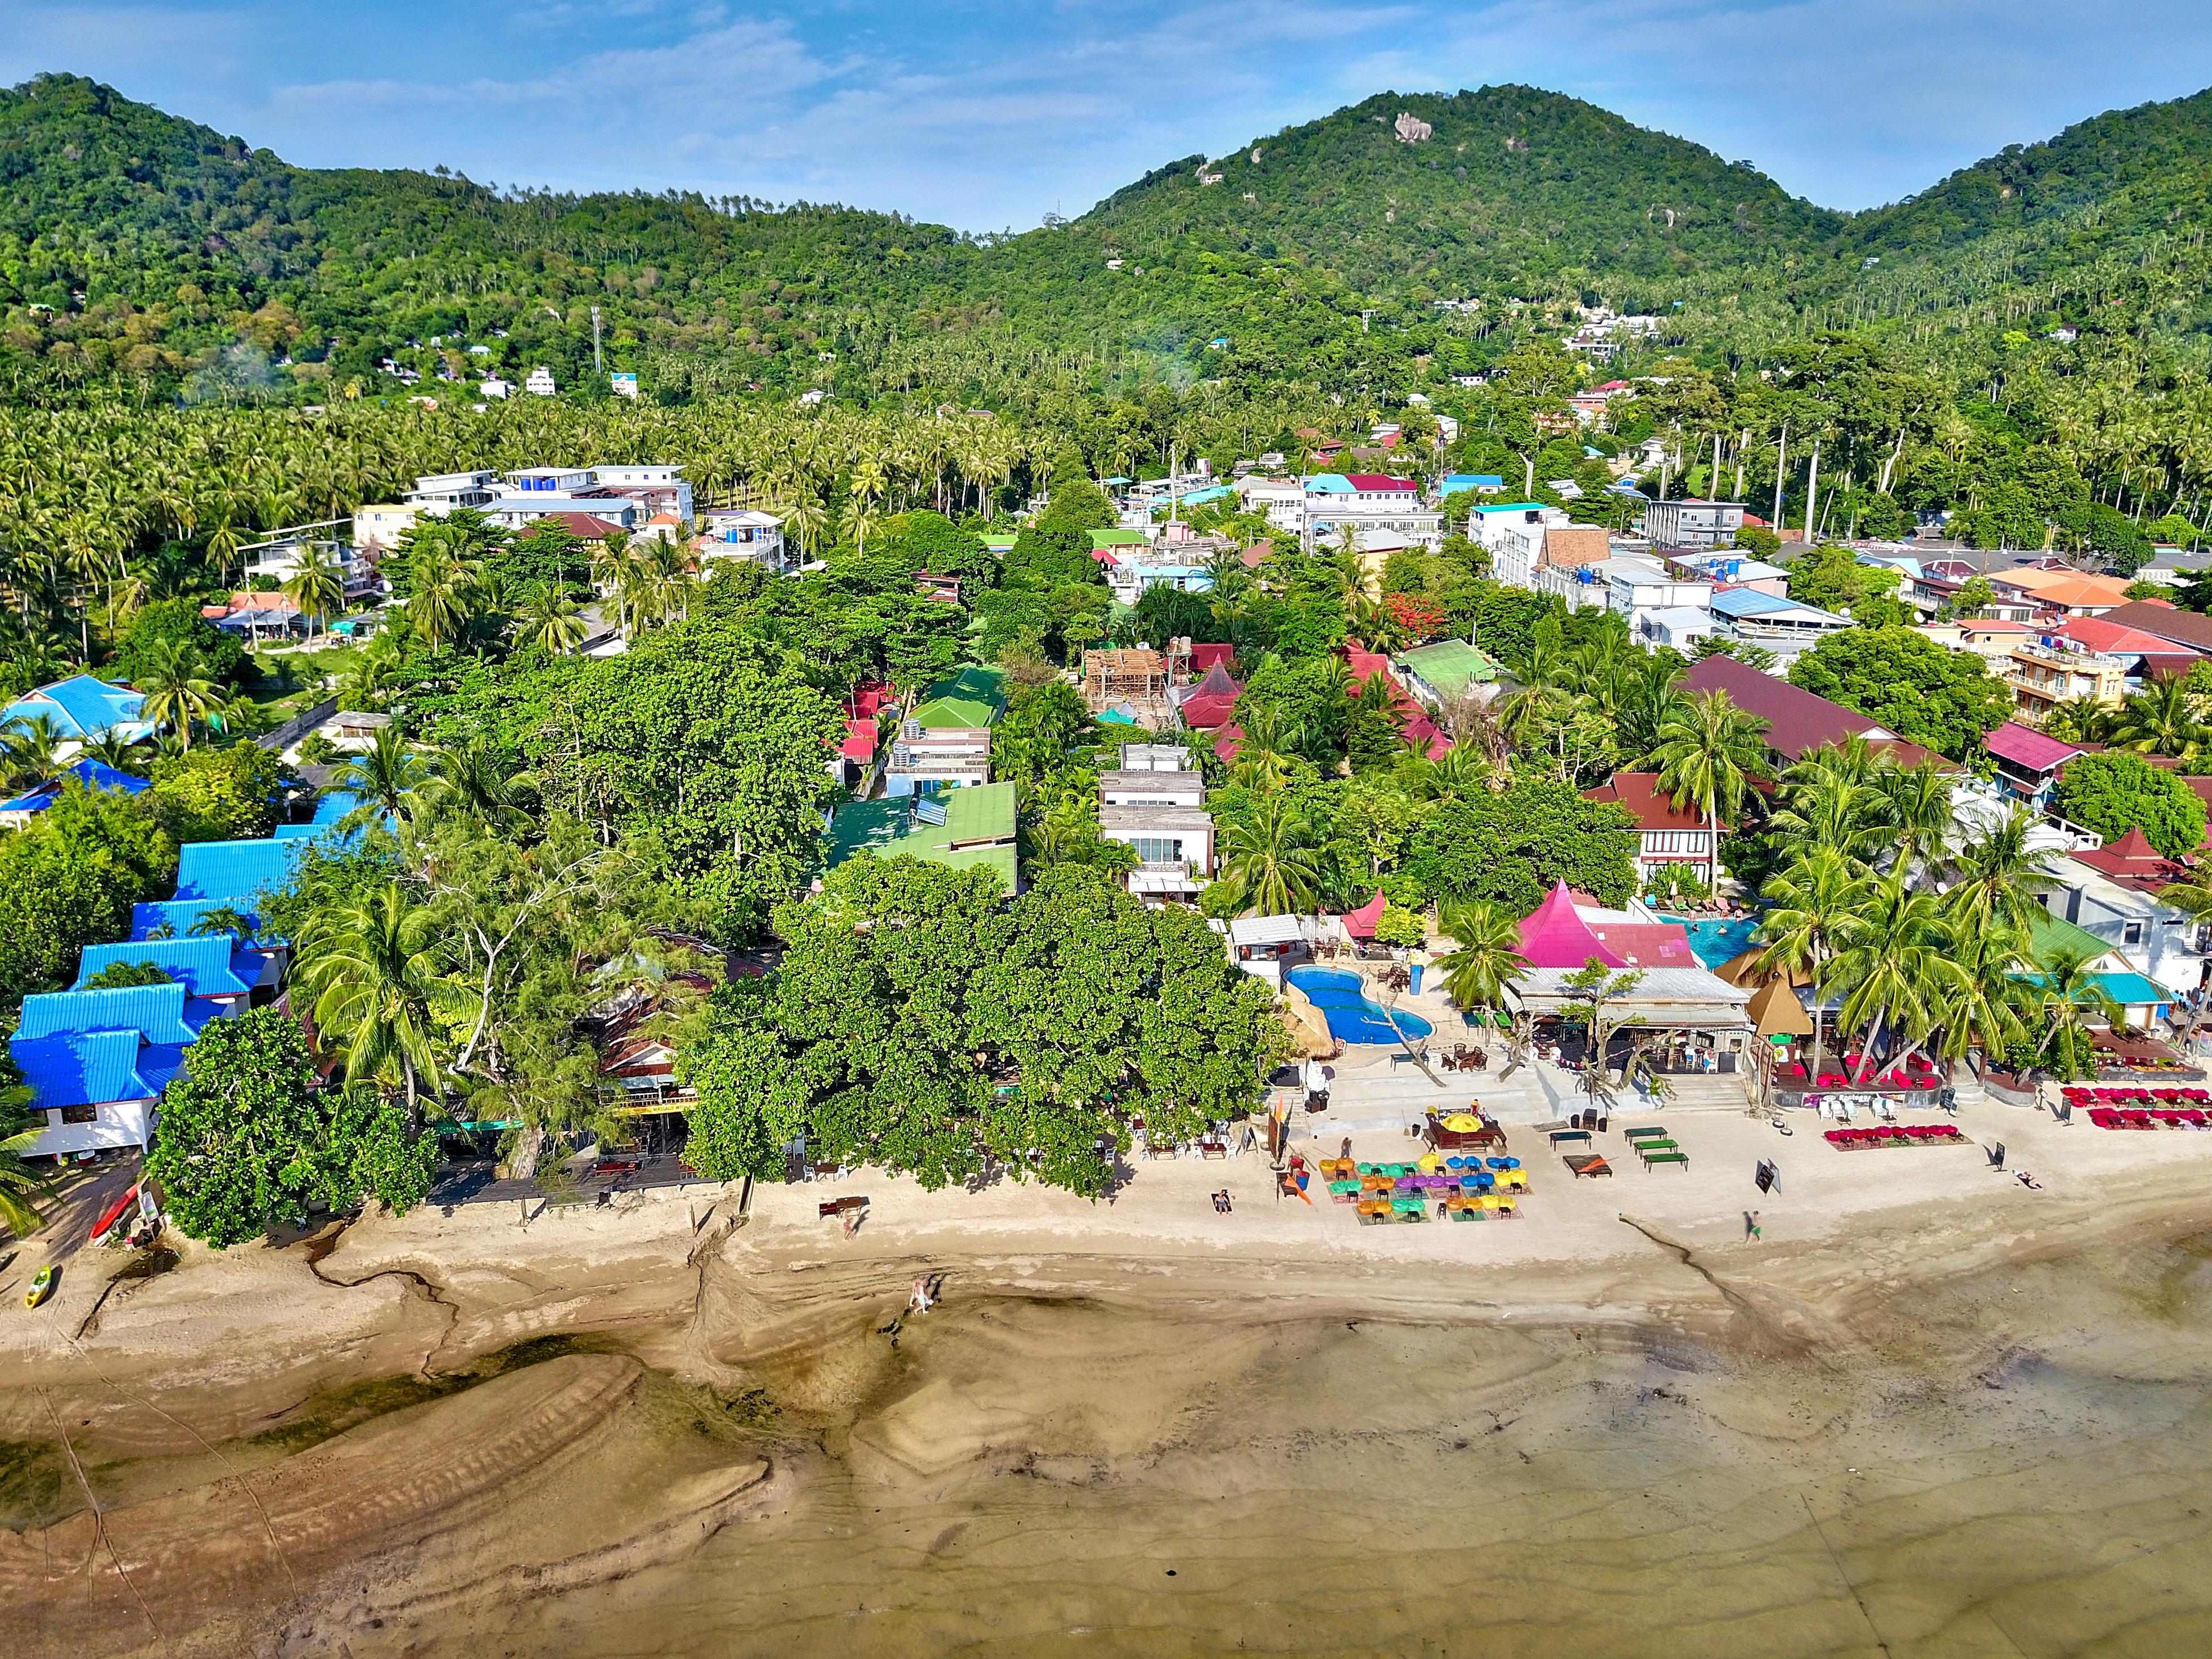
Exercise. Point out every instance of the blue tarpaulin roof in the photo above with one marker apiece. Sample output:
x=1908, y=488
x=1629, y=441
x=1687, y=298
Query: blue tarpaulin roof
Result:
x=234, y=870
x=89, y=773
x=201, y=965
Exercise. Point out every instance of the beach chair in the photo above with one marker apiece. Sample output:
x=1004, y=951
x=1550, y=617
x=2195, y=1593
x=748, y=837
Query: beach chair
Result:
x=1643, y=1132
x=1579, y=1136
x=1586, y=1163
x=1673, y=1155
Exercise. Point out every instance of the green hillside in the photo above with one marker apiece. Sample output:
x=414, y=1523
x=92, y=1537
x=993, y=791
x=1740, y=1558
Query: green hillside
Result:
x=1313, y=262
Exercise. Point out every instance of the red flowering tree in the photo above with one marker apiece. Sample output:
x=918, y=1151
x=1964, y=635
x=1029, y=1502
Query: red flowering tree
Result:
x=1423, y=619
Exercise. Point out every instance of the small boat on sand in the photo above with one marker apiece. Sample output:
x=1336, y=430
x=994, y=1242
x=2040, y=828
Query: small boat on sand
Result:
x=42, y=1285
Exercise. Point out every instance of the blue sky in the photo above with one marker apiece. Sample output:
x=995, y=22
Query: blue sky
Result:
x=987, y=113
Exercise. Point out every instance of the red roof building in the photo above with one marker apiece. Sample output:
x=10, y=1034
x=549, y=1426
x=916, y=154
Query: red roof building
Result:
x=1204, y=658
x=1373, y=482
x=1210, y=705
x=1360, y=923
x=2132, y=861
x=1666, y=834
x=1797, y=722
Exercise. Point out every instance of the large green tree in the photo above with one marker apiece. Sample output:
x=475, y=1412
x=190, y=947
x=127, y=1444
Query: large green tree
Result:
x=249, y=1139
x=2114, y=792
x=1927, y=693
x=917, y=1023
x=1513, y=845
x=69, y=879
x=216, y=794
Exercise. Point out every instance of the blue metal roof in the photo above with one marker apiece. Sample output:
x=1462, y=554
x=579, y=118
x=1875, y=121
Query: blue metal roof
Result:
x=179, y=915
x=82, y=706
x=201, y=964
x=1457, y=481
x=89, y=773
x=1333, y=483
x=335, y=803
x=156, y=1012
x=233, y=871
x=2131, y=990
x=95, y=1068
x=1750, y=602
x=298, y=831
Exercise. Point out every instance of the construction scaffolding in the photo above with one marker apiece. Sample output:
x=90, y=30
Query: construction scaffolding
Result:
x=1132, y=683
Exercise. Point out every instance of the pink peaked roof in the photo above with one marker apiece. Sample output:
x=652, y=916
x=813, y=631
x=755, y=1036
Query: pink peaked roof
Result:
x=2030, y=749
x=860, y=741
x=1360, y=923
x=1206, y=658
x=1553, y=936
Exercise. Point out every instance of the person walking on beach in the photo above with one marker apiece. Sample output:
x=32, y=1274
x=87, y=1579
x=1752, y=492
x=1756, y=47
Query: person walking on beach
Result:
x=917, y=1299
x=1751, y=1225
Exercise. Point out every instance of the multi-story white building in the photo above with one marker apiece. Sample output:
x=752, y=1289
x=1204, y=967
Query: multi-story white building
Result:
x=540, y=384
x=442, y=492
x=1513, y=534
x=1692, y=523
x=1156, y=805
x=1365, y=501
x=743, y=533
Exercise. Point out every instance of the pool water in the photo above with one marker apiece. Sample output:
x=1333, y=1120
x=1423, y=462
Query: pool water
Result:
x=1714, y=940
x=1351, y=1017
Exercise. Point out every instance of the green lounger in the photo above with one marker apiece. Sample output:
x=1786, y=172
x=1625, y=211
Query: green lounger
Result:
x=1651, y=1133
x=1681, y=1158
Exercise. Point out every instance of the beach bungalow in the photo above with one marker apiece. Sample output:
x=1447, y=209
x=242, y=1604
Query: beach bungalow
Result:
x=2111, y=893
x=2029, y=763
x=16, y=813
x=1266, y=946
x=1701, y=1011
x=1666, y=834
x=97, y=1061
x=81, y=706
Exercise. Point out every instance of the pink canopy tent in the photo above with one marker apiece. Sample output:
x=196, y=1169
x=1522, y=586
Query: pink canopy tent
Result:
x=1553, y=936
x=1360, y=923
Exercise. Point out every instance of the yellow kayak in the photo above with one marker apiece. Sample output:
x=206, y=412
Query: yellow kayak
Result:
x=42, y=1286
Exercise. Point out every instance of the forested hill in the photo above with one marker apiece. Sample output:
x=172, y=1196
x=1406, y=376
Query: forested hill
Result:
x=137, y=245
x=1504, y=191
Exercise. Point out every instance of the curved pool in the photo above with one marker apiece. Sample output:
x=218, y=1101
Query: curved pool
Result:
x=1351, y=1017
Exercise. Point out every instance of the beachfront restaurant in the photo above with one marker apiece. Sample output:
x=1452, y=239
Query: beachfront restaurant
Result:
x=1701, y=1017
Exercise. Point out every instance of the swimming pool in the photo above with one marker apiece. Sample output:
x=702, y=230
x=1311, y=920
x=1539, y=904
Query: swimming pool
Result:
x=1351, y=1017
x=1715, y=940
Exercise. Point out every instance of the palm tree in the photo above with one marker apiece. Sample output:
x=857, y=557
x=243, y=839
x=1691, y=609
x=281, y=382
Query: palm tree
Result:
x=1920, y=815
x=1708, y=753
x=1992, y=876
x=1894, y=965
x=19, y=1182
x=1993, y=997
x=2068, y=993
x=379, y=989
x=549, y=620
x=1269, y=855
x=1812, y=902
x=384, y=779
x=318, y=585
x=467, y=777
x=222, y=919
x=1485, y=955
x=442, y=590
x=31, y=747
x=2163, y=720
x=176, y=690
x=118, y=753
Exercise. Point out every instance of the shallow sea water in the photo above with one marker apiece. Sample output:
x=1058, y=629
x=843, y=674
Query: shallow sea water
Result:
x=2017, y=1465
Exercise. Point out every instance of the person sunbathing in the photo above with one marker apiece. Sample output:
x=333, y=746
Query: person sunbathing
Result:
x=2029, y=1180
x=1221, y=1201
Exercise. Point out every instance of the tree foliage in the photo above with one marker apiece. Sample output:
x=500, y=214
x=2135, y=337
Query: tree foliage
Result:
x=2114, y=792
x=1940, y=699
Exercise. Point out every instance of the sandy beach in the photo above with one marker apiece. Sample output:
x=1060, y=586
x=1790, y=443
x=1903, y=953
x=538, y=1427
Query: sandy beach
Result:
x=1929, y=1410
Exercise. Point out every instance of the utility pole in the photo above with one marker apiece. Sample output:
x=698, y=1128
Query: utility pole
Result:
x=1528, y=490
x=597, y=363
x=1743, y=444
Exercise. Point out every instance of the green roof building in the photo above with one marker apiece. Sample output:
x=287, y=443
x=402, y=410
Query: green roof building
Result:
x=972, y=697
x=976, y=830
x=1447, y=670
x=2050, y=937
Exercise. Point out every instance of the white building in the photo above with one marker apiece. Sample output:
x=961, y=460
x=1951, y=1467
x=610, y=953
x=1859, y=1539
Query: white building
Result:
x=1156, y=806
x=442, y=492
x=1367, y=501
x=743, y=533
x=1283, y=500
x=540, y=382
x=1513, y=534
x=1692, y=523
x=2111, y=892
x=924, y=759
x=377, y=529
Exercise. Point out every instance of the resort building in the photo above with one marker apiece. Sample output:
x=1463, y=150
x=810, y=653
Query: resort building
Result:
x=1797, y=722
x=1512, y=533
x=1443, y=672
x=81, y=706
x=1692, y=523
x=1364, y=502
x=743, y=533
x=16, y=813
x=2111, y=893
x=97, y=1061
x=2045, y=669
x=1774, y=622
x=2029, y=763
x=1156, y=806
x=1666, y=834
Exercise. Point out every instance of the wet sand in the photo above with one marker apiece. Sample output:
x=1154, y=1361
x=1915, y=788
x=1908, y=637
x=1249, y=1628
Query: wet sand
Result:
x=1929, y=1412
